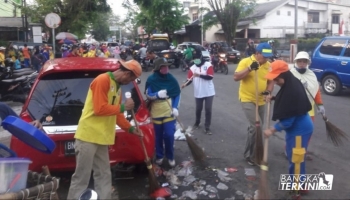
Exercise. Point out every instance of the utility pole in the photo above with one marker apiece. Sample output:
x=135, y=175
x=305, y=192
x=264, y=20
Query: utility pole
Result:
x=202, y=29
x=296, y=20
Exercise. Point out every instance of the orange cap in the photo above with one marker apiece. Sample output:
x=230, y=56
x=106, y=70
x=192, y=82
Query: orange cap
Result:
x=277, y=68
x=133, y=66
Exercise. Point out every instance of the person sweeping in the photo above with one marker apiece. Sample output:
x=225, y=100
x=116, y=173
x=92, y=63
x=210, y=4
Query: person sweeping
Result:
x=308, y=78
x=161, y=87
x=291, y=109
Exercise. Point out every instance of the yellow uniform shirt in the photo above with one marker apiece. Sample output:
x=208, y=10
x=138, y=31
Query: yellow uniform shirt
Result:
x=247, y=85
x=102, y=111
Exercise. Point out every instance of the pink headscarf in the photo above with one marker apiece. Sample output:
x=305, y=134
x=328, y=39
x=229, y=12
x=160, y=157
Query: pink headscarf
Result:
x=116, y=50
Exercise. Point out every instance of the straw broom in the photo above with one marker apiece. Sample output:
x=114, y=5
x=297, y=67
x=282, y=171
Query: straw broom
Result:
x=264, y=185
x=336, y=135
x=197, y=152
x=153, y=182
x=258, y=135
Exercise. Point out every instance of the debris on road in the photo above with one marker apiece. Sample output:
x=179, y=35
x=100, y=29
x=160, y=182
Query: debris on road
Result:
x=222, y=186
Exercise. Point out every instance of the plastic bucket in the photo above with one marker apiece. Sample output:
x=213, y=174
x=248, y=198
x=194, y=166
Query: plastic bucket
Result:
x=13, y=174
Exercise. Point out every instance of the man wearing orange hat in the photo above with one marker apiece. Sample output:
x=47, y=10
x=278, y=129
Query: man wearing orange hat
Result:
x=255, y=65
x=291, y=109
x=96, y=129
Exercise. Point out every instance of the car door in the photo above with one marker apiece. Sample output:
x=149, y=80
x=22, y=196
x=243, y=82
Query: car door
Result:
x=344, y=67
x=327, y=58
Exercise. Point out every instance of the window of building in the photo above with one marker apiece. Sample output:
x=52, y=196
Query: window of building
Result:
x=289, y=13
x=332, y=46
x=313, y=17
x=194, y=16
x=335, y=19
x=278, y=12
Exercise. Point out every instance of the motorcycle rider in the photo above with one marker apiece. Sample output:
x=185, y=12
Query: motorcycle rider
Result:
x=188, y=53
x=274, y=50
x=250, y=50
x=143, y=53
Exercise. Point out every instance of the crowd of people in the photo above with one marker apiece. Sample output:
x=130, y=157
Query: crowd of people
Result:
x=293, y=107
x=26, y=57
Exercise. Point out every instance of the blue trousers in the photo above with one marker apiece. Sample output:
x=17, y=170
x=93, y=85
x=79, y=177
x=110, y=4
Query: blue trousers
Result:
x=296, y=147
x=165, y=131
x=27, y=62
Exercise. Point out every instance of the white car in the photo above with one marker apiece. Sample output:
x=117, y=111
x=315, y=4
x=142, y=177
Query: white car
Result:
x=183, y=46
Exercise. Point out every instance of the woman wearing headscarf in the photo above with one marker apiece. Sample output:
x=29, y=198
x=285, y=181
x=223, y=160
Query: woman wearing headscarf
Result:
x=308, y=78
x=164, y=91
x=291, y=110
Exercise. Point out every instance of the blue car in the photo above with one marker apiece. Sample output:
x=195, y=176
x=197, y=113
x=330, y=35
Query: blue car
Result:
x=331, y=64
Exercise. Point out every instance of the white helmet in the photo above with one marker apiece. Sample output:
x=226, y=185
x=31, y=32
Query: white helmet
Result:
x=302, y=55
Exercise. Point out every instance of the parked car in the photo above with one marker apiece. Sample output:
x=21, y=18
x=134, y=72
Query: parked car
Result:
x=183, y=46
x=231, y=54
x=57, y=99
x=331, y=64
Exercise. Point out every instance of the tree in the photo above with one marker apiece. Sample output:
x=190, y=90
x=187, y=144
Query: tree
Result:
x=77, y=16
x=163, y=15
x=100, y=26
x=229, y=12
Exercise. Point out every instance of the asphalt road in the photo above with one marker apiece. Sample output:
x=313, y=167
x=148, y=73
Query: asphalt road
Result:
x=225, y=147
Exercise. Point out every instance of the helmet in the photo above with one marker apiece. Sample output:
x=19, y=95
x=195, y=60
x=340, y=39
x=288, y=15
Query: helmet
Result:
x=271, y=42
x=302, y=55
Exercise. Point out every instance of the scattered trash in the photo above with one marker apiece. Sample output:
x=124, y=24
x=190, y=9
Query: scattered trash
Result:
x=239, y=193
x=186, y=169
x=256, y=193
x=188, y=180
x=202, y=182
x=212, y=195
x=231, y=169
x=157, y=170
x=223, y=176
x=165, y=184
x=197, y=187
x=179, y=135
x=174, y=187
x=247, y=197
x=232, y=198
x=173, y=180
x=160, y=198
x=189, y=194
x=222, y=172
x=222, y=186
x=203, y=192
x=174, y=196
x=250, y=173
x=211, y=189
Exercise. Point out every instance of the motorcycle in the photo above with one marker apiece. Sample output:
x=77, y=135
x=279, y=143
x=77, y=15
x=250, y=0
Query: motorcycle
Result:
x=123, y=55
x=274, y=57
x=220, y=63
x=15, y=85
x=186, y=65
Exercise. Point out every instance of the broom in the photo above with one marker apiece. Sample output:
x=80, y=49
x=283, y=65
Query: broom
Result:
x=263, y=185
x=258, y=135
x=153, y=183
x=197, y=152
x=334, y=133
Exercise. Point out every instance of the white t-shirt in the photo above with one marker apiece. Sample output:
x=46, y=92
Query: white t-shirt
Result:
x=202, y=87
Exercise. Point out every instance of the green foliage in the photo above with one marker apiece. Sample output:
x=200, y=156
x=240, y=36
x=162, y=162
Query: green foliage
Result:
x=77, y=16
x=308, y=44
x=229, y=12
x=163, y=15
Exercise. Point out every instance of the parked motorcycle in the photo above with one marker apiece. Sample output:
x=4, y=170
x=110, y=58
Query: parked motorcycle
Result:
x=219, y=62
x=15, y=85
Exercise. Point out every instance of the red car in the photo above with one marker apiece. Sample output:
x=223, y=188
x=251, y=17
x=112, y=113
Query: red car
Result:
x=59, y=92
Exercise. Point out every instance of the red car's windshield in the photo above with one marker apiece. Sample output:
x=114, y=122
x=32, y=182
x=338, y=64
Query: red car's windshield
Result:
x=58, y=99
